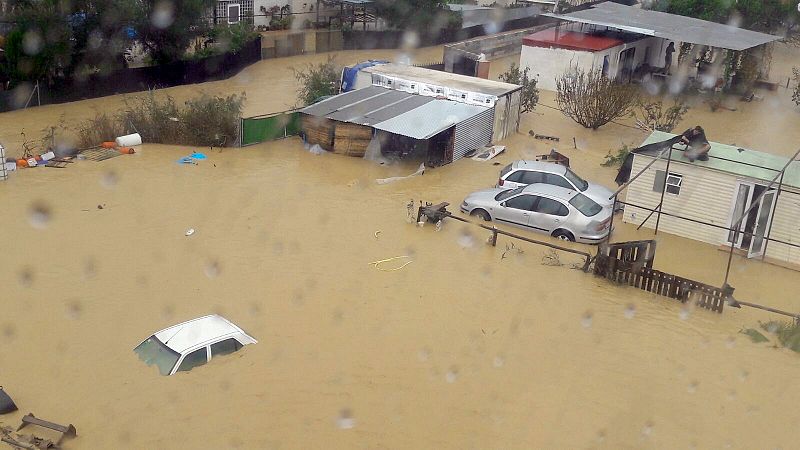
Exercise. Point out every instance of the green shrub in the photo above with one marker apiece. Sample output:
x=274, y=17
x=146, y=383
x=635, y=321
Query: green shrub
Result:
x=616, y=160
x=317, y=80
x=202, y=121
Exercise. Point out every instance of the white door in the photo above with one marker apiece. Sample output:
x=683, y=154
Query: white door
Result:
x=763, y=220
x=742, y=201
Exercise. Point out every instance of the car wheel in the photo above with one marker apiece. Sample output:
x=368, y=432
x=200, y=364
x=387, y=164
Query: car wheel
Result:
x=482, y=214
x=564, y=235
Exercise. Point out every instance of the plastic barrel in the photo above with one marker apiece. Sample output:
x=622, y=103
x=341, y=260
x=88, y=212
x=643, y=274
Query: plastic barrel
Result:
x=126, y=150
x=108, y=144
x=129, y=140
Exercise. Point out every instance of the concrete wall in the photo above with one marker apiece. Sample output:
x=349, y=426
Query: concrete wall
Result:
x=492, y=46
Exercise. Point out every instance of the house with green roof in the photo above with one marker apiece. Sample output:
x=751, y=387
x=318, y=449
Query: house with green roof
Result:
x=704, y=199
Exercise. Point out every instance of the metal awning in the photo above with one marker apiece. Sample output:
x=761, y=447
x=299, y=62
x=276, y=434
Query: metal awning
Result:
x=429, y=119
x=668, y=26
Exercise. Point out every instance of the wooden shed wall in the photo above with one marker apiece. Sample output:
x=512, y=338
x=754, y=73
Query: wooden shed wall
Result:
x=318, y=130
x=351, y=139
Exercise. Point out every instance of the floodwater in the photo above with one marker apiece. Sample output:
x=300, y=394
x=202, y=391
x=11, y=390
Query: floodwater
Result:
x=469, y=346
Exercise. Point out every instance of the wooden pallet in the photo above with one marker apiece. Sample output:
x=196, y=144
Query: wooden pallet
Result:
x=100, y=154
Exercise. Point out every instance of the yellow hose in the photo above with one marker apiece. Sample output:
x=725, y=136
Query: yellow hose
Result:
x=378, y=263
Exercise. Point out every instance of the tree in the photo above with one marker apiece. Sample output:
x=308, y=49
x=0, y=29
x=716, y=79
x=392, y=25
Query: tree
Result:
x=591, y=99
x=40, y=43
x=317, y=81
x=655, y=116
x=166, y=28
x=529, y=96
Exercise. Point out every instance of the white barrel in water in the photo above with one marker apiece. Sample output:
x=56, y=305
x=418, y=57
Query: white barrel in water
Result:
x=129, y=140
x=3, y=171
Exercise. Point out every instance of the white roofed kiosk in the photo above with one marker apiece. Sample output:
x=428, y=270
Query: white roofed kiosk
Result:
x=630, y=43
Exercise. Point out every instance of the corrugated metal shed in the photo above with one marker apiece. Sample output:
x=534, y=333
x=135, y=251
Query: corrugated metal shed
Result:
x=451, y=80
x=667, y=26
x=429, y=119
x=735, y=160
x=340, y=101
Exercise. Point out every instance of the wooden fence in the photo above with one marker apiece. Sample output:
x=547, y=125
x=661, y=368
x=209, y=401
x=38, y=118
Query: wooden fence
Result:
x=631, y=263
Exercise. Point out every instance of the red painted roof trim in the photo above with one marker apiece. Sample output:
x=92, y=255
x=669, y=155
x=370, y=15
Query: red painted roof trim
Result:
x=570, y=40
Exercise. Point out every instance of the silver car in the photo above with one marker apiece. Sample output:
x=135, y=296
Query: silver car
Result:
x=523, y=173
x=560, y=212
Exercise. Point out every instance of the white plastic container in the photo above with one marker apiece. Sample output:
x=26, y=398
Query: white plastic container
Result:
x=129, y=140
x=48, y=156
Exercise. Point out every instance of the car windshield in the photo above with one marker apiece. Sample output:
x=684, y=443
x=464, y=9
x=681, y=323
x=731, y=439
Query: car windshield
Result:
x=585, y=205
x=505, y=170
x=579, y=182
x=505, y=194
x=152, y=351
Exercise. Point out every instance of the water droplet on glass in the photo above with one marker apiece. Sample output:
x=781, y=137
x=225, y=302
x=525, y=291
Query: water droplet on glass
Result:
x=74, y=310
x=465, y=238
x=451, y=375
x=730, y=342
x=498, y=361
x=89, y=268
x=743, y=375
x=212, y=269
x=731, y=395
x=109, y=179
x=9, y=332
x=345, y=421
x=32, y=42
x=424, y=354
x=648, y=429
x=26, y=277
x=601, y=436
x=684, y=314
x=586, y=320
x=39, y=215
x=692, y=387
x=630, y=311
x=163, y=14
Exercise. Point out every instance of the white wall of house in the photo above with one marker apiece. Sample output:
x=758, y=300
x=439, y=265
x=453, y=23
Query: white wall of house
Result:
x=705, y=195
x=785, y=228
x=708, y=195
x=550, y=63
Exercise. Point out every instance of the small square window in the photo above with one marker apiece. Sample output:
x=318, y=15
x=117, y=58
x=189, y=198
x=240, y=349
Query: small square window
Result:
x=674, y=182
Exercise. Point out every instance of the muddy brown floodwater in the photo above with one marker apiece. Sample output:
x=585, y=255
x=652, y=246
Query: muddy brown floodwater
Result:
x=459, y=349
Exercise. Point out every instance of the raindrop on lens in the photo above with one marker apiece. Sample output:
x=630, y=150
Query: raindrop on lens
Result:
x=451, y=375
x=630, y=311
x=586, y=320
x=26, y=277
x=74, y=310
x=684, y=314
x=212, y=269
x=109, y=179
x=498, y=361
x=466, y=239
x=692, y=387
x=32, y=42
x=39, y=215
x=345, y=421
x=163, y=14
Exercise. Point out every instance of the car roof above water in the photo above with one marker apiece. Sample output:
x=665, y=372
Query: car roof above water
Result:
x=551, y=190
x=539, y=165
x=186, y=335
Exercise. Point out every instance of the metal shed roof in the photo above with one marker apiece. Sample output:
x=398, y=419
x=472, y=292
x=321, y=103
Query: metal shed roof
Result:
x=668, y=26
x=366, y=106
x=451, y=80
x=429, y=119
x=734, y=160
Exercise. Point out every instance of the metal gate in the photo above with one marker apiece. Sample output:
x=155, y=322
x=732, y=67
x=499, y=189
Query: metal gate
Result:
x=473, y=133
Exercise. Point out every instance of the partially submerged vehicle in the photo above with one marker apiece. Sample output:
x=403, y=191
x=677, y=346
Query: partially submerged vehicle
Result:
x=193, y=343
x=522, y=173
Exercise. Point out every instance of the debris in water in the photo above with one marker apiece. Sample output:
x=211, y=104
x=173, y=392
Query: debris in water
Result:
x=419, y=171
x=189, y=232
x=394, y=258
x=345, y=421
x=586, y=320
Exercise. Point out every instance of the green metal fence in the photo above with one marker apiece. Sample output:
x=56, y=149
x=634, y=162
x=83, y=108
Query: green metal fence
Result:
x=269, y=127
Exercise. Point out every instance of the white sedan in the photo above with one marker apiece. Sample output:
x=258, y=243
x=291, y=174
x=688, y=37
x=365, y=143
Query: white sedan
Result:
x=193, y=343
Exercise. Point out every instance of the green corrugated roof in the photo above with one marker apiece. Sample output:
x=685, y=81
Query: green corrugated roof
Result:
x=735, y=160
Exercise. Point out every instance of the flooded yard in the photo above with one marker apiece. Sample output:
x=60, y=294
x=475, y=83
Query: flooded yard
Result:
x=463, y=348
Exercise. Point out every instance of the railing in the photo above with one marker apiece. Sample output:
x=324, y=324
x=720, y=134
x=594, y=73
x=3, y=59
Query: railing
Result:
x=435, y=213
x=631, y=263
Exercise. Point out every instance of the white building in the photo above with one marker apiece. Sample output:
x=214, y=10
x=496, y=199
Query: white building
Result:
x=501, y=99
x=704, y=199
x=624, y=40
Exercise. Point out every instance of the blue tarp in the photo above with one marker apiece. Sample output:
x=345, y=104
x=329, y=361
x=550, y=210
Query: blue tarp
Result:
x=349, y=73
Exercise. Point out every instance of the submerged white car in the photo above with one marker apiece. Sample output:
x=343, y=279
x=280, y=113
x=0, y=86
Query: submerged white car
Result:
x=193, y=343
